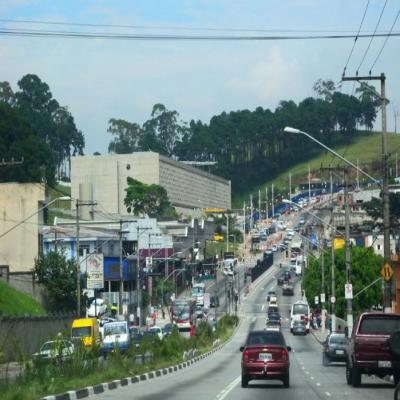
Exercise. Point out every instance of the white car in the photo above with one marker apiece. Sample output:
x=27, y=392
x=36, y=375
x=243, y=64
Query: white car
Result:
x=55, y=349
x=158, y=331
x=274, y=247
x=97, y=307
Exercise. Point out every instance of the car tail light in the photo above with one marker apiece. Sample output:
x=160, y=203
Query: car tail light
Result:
x=284, y=355
x=246, y=356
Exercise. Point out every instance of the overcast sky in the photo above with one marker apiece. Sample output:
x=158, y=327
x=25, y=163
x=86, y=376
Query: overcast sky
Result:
x=102, y=79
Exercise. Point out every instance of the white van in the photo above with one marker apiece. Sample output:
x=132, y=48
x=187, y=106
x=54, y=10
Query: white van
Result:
x=300, y=311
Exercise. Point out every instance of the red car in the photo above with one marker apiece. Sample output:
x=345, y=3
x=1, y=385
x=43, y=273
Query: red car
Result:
x=265, y=356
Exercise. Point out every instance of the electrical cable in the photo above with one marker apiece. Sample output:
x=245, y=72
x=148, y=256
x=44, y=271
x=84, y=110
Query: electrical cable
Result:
x=181, y=28
x=372, y=38
x=384, y=43
x=355, y=39
x=175, y=37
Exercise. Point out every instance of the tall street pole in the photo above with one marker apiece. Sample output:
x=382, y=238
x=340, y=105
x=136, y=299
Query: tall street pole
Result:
x=309, y=184
x=251, y=211
x=266, y=202
x=259, y=205
x=290, y=186
x=385, y=199
x=347, y=249
x=121, y=270
x=78, y=263
x=272, y=200
x=244, y=224
x=227, y=232
x=333, y=275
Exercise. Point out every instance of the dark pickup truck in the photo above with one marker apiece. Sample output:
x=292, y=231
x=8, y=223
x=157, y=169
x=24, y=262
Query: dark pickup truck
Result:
x=374, y=347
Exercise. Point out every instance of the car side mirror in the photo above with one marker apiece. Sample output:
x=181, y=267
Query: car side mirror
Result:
x=241, y=348
x=288, y=348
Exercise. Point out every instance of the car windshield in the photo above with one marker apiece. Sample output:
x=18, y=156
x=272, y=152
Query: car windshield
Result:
x=265, y=338
x=379, y=325
x=114, y=329
x=181, y=311
x=48, y=346
x=300, y=309
x=82, y=332
x=337, y=339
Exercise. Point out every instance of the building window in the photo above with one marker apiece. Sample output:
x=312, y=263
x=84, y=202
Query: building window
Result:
x=84, y=249
x=378, y=246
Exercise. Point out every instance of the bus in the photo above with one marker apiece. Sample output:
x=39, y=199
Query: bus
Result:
x=198, y=291
x=300, y=311
x=183, y=316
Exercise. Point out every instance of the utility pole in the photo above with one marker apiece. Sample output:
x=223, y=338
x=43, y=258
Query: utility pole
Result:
x=227, y=232
x=290, y=186
x=347, y=250
x=358, y=177
x=272, y=200
x=309, y=185
x=244, y=224
x=121, y=270
x=387, y=289
x=397, y=168
x=333, y=275
x=251, y=211
x=259, y=206
x=331, y=181
x=266, y=202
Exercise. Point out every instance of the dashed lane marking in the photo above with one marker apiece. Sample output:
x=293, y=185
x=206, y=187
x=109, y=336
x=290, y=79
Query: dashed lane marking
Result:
x=318, y=384
x=262, y=307
x=328, y=394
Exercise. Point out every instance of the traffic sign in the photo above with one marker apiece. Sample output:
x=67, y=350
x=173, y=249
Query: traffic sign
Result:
x=316, y=300
x=348, y=291
x=387, y=271
x=333, y=299
x=322, y=297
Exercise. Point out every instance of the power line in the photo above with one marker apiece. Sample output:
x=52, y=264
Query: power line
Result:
x=384, y=43
x=181, y=28
x=175, y=37
x=355, y=39
x=372, y=38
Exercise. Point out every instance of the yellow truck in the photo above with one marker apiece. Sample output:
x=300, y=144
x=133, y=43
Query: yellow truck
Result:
x=87, y=330
x=218, y=237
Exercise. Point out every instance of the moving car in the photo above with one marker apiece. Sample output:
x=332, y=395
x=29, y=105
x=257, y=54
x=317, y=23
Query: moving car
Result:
x=97, y=307
x=116, y=336
x=274, y=317
x=265, y=356
x=374, y=347
x=273, y=326
x=87, y=330
x=280, y=280
x=55, y=349
x=271, y=293
x=214, y=301
x=287, y=289
x=158, y=331
x=334, y=348
x=299, y=328
x=272, y=309
x=274, y=247
x=167, y=330
x=300, y=310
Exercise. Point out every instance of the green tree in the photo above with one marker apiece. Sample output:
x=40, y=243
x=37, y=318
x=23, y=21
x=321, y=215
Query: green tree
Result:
x=58, y=275
x=126, y=136
x=146, y=199
x=365, y=267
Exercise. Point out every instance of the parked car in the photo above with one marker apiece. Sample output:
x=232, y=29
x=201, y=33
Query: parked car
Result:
x=214, y=301
x=96, y=308
x=374, y=347
x=55, y=350
x=265, y=356
x=287, y=289
x=334, y=348
x=299, y=328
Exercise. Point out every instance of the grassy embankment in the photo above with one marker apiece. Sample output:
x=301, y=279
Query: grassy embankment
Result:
x=15, y=303
x=367, y=149
x=50, y=378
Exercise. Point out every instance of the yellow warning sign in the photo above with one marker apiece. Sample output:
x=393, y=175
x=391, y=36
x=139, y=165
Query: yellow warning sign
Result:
x=387, y=272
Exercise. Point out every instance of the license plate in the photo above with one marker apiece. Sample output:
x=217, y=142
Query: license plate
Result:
x=384, y=364
x=265, y=357
x=339, y=351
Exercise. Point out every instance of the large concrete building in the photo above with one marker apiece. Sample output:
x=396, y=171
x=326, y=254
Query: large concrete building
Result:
x=188, y=188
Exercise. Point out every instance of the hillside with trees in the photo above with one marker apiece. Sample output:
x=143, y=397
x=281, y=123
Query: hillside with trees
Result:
x=36, y=128
x=250, y=147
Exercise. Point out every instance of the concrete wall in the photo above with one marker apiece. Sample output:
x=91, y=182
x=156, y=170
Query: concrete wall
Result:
x=108, y=176
x=187, y=187
x=19, y=248
x=26, y=335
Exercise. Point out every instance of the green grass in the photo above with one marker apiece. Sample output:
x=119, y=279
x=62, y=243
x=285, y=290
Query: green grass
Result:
x=15, y=303
x=367, y=149
x=214, y=248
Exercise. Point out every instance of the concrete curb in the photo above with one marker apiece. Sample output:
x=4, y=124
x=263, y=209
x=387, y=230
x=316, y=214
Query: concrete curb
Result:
x=103, y=387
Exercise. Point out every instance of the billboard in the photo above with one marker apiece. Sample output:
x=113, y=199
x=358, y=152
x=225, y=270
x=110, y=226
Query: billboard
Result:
x=95, y=271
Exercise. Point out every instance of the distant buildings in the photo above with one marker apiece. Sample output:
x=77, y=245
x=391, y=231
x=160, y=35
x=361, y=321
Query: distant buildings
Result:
x=188, y=188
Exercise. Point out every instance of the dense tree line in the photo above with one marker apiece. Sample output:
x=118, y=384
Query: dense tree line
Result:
x=35, y=127
x=250, y=146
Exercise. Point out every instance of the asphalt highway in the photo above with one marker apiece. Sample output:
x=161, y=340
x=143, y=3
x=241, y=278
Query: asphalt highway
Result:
x=217, y=377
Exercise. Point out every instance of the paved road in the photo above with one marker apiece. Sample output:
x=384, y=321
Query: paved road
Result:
x=218, y=376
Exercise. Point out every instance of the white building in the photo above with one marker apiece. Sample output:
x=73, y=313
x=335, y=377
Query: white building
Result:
x=188, y=188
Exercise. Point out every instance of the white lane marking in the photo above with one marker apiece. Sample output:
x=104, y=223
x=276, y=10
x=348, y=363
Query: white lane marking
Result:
x=223, y=393
x=318, y=384
x=307, y=373
x=262, y=307
x=311, y=377
x=327, y=393
x=253, y=319
x=303, y=368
